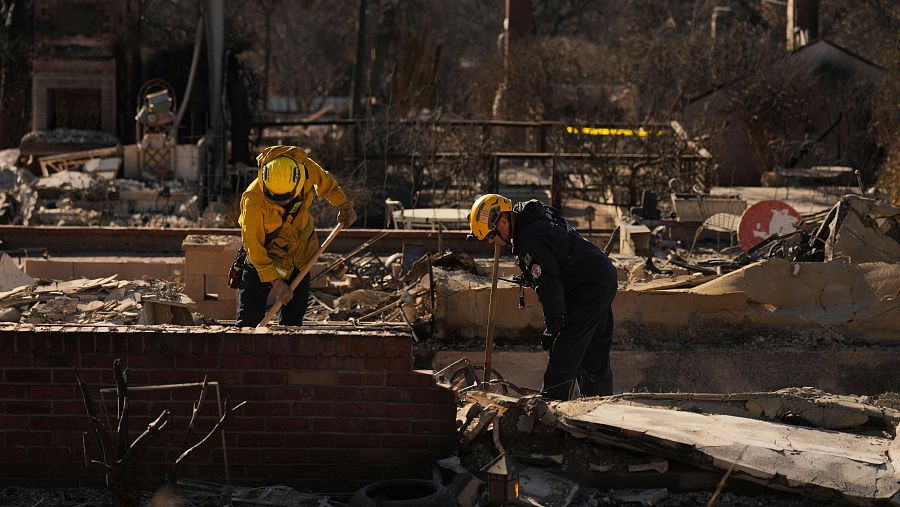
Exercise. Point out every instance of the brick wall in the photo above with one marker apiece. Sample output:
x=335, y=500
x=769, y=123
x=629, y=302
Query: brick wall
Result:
x=328, y=409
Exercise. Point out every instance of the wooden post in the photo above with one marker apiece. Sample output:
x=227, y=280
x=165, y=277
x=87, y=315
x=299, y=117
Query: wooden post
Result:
x=492, y=310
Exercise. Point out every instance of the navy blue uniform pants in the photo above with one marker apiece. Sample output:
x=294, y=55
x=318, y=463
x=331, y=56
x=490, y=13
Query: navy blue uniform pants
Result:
x=252, y=296
x=581, y=352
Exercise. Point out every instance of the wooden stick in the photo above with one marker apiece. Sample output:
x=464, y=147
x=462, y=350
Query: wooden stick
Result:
x=303, y=272
x=492, y=311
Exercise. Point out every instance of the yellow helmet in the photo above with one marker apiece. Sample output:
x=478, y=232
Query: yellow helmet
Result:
x=280, y=178
x=485, y=213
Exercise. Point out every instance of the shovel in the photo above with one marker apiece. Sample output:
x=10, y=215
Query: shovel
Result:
x=492, y=311
x=303, y=272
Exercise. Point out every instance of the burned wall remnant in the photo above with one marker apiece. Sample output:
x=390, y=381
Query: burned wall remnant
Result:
x=328, y=409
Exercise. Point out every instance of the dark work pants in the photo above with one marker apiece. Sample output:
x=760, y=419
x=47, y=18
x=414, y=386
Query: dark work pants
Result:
x=252, y=296
x=581, y=351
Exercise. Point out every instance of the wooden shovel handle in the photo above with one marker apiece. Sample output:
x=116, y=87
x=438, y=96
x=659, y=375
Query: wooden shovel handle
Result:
x=303, y=272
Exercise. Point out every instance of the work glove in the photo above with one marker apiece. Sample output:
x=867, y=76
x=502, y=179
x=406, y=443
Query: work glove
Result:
x=346, y=214
x=548, y=339
x=280, y=292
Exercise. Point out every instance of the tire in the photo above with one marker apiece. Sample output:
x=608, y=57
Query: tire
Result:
x=403, y=493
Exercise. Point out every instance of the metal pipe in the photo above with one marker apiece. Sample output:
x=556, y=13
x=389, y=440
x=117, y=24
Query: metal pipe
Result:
x=198, y=41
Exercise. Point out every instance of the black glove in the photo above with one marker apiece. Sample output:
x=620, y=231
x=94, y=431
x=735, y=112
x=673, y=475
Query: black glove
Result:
x=547, y=340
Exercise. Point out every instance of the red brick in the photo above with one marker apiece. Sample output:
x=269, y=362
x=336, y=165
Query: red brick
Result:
x=443, y=412
x=173, y=376
x=313, y=409
x=213, y=345
x=261, y=345
x=54, y=422
x=360, y=409
x=86, y=343
x=240, y=455
x=15, y=360
x=289, y=424
x=360, y=379
x=391, y=394
x=48, y=454
x=247, y=344
x=28, y=376
x=267, y=439
x=269, y=409
x=375, y=347
x=7, y=344
x=68, y=407
x=404, y=441
x=31, y=407
x=341, y=346
x=135, y=344
x=285, y=362
x=210, y=361
x=433, y=395
x=152, y=361
x=358, y=346
x=243, y=424
x=27, y=438
x=334, y=455
x=14, y=421
x=295, y=393
x=231, y=344
x=52, y=392
x=356, y=440
x=337, y=394
x=280, y=345
x=383, y=456
x=397, y=347
x=15, y=455
x=326, y=346
x=98, y=360
x=380, y=364
x=244, y=362
x=264, y=378
x=337, y=425
x=340, y=363
x=67, y=376
x=408, y=411
x=410, y=379
x=387, y=425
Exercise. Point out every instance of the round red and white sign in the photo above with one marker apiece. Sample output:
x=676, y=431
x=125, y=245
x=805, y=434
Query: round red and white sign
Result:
x=764, y=219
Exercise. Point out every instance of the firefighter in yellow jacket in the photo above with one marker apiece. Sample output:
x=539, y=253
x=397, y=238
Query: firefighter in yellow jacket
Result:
x=278, y=233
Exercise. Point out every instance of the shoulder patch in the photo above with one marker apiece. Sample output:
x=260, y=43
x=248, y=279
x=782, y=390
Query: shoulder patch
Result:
x=535, y=271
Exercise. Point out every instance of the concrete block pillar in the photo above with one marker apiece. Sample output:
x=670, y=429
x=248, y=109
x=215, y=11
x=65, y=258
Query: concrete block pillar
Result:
x=207, y=259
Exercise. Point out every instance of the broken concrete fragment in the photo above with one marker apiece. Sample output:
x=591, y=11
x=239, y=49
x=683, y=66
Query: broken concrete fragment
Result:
x=537, y=487
x=659, y=465
x=10, y=274
x=779, y=455
x=645, y=497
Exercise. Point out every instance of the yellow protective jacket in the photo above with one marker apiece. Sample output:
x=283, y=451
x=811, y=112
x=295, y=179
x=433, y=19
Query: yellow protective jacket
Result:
x=296, y=242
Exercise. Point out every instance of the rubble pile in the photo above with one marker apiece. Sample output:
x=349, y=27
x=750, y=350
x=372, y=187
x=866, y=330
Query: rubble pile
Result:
x=92, y=301
x=652, y=448
x=90, y=195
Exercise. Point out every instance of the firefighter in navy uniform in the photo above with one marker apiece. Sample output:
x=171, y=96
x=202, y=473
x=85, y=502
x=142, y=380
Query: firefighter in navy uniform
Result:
x=576, y=284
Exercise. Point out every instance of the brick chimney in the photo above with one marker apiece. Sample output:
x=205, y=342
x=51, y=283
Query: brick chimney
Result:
x=802, y=23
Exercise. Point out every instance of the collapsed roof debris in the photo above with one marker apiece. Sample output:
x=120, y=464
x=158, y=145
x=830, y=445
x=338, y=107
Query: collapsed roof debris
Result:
x=90, y=301
x=782, y=440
